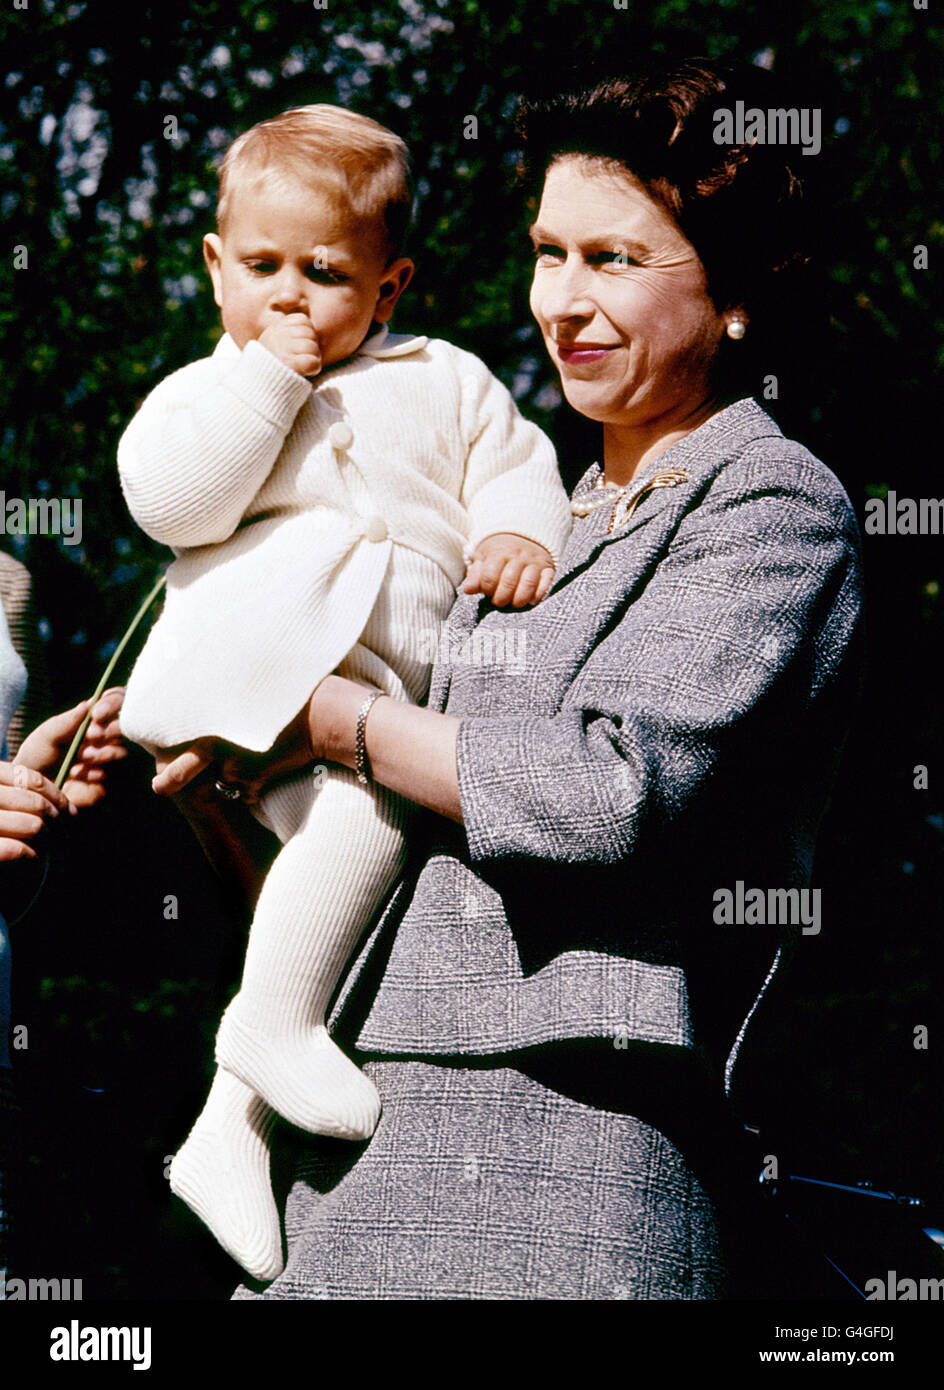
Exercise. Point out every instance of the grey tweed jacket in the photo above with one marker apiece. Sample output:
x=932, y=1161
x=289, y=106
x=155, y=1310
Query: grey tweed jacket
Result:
x=664, y=724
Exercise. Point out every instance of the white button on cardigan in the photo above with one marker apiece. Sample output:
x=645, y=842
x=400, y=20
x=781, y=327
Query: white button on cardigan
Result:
x=340, y=435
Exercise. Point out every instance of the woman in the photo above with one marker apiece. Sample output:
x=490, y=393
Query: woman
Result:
x=552, y=1004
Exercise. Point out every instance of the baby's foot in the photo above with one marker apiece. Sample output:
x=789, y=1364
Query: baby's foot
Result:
x=306, y=1078
x=222, y=1173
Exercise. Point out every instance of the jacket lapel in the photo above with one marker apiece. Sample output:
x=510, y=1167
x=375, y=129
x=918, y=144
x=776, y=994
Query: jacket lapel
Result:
x=635, y=509
x=670, y=481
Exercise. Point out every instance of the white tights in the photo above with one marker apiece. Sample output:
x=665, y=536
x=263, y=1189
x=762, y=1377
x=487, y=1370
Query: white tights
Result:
x=343, y=848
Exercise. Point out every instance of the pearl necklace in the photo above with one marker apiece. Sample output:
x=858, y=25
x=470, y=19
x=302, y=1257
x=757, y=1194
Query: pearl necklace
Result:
x=623, y=505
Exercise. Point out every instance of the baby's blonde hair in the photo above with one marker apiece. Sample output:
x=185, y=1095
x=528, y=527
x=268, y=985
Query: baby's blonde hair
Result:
x=361, y=164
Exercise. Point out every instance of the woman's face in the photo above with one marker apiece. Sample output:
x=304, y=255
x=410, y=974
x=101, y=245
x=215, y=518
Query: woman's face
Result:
x=621, y=298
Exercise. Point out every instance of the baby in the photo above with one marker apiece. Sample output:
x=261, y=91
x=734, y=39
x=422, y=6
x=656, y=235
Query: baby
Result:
x=324, y=485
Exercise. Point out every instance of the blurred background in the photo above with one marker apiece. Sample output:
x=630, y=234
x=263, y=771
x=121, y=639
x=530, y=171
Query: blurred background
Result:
x=112, y=123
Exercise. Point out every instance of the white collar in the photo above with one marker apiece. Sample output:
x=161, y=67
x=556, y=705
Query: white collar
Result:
x=383, y=343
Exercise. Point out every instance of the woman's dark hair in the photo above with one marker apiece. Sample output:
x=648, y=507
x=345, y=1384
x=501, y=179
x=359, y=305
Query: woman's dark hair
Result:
x=739, y=205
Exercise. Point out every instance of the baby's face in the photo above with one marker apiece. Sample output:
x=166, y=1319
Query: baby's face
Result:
x=288, y=249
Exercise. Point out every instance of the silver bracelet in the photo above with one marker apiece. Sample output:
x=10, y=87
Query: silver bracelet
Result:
x=361, y=763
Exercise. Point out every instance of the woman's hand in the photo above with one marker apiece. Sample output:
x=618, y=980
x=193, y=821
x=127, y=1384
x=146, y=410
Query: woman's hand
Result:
x=251, y=772
x=237, y=846
x=412, y=751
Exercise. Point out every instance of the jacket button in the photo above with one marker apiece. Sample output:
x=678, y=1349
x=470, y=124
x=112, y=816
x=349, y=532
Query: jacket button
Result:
x=375, y=528
x=340, y=435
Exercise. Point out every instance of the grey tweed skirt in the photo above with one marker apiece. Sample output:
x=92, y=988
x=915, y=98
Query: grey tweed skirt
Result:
x=485, y=1182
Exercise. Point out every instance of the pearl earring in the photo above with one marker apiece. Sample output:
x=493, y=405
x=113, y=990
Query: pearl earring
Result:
x=736, y=328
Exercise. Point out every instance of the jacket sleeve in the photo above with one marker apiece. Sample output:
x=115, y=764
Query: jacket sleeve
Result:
x=204, y=442
x=12, y=681
x=748, y=615
x=512, y=481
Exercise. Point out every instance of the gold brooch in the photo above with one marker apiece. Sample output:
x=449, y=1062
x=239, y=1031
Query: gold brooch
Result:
x=624, y=500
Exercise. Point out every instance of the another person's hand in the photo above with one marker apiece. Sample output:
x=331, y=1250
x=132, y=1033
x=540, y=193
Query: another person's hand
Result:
x=101, y=746
x=510, y=569
x=293, y=340
x=29, y=802
x=44, y=749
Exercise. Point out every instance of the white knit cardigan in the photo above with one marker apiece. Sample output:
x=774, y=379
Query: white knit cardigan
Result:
x=283, y=501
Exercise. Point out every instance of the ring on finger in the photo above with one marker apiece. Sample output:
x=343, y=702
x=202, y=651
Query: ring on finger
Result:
x=228, y=790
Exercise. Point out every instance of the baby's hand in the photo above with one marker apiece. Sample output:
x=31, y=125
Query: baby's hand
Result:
x=510, y=569
x=293, y=340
